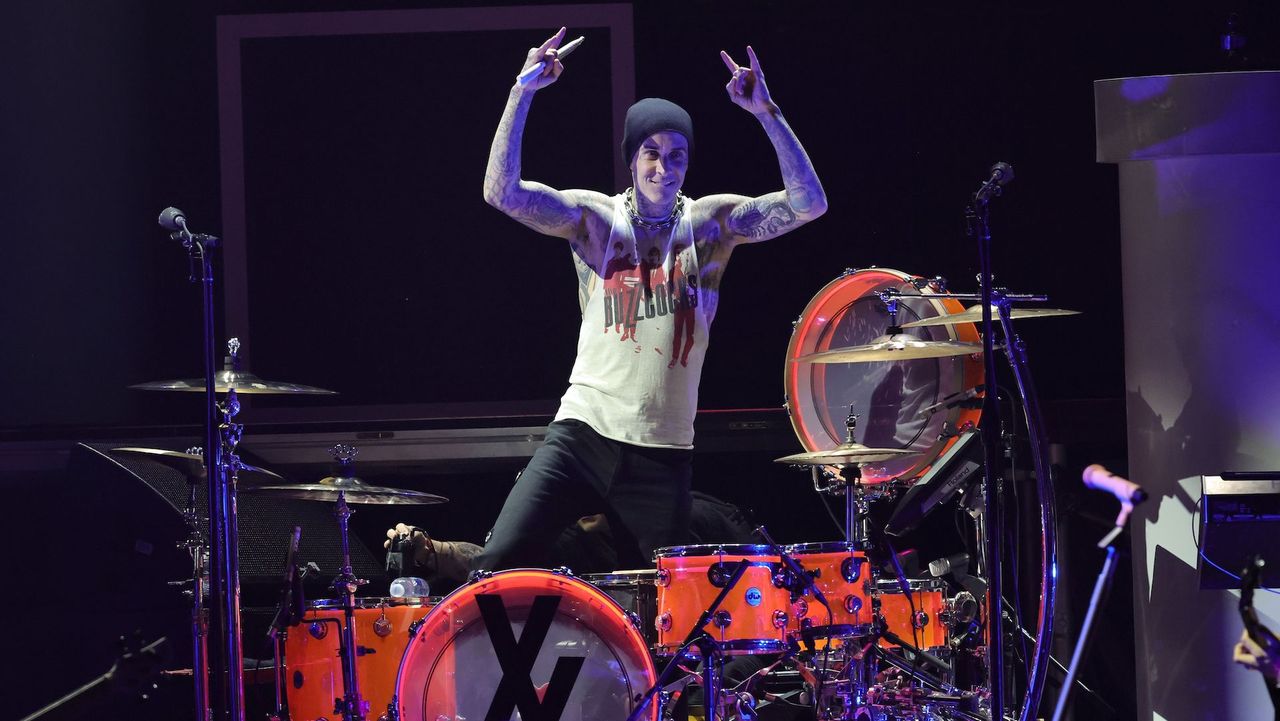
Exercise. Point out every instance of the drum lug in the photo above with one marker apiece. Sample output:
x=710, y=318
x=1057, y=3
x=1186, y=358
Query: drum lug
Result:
x=722, y=619
x=563, y=571
x=413, y=627
x=780, y=618
x=476, y=576
x=718, y=575
x=636, y=623
x=800, y=608
x=318, y=630
x=851, y=569
x=393, y=710
x=663, y=578
x=852, y=604
x=663, y=622
x=920, y=620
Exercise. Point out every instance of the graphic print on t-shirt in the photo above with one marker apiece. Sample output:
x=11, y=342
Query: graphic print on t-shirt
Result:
x=637, y=290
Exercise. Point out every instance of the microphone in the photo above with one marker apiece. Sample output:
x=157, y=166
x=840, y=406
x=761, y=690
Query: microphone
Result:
x=1001, y=175
x=173, y=219
x=1126, y=491
x=1099, y=478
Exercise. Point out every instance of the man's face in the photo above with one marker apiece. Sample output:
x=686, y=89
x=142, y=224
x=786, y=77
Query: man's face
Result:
x=658, y=169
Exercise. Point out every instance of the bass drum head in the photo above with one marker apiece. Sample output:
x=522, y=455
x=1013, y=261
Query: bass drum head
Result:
x=544, y=644
x=889, y=397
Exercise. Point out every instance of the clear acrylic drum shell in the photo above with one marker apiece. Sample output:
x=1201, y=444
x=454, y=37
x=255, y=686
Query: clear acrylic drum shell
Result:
x=888, y=396
x=450, y=670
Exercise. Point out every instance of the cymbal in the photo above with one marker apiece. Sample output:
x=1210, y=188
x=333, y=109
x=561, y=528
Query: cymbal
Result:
x=896, y=347
x=225, y=380
x=844, y=455
x=357, y=491
x=974, y=315
x=191, y=465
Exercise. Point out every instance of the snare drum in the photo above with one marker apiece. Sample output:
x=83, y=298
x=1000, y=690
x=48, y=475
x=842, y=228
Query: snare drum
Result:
x=928, y=595
x=840, y=572
x=636, y=593
x=752, y=619
x=540, y=643
x=313, y=669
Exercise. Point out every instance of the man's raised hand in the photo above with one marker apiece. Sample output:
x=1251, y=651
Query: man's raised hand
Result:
x=746, y=84
x=546, y=54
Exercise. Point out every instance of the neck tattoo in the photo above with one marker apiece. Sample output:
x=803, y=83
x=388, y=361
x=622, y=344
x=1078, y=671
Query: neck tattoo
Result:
x=647, y=224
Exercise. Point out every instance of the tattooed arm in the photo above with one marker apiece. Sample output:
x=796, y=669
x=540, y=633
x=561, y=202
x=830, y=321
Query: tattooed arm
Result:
x=544, y=209
x=748, y=220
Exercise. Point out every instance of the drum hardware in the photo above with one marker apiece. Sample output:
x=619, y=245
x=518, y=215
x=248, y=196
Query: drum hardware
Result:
x=289, y=613
x=708, y=649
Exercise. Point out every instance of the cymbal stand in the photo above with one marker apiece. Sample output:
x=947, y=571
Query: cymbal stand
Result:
x=195, y=545
x=353, y=708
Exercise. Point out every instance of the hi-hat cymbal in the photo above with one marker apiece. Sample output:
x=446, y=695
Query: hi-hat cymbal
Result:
x=844, y=455
x=191, y=465
x=225, y=380
x=896, y=347
x=974, y=315
x=356, y=490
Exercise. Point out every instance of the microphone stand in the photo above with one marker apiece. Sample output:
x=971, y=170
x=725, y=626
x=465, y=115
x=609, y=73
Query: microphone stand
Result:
x=976, y=216
x=224, y=573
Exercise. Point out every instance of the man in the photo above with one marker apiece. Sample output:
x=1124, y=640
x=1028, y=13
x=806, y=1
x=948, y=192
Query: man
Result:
x=648, y=260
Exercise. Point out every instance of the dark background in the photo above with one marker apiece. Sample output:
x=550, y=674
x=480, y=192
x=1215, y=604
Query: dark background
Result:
x=376, y=269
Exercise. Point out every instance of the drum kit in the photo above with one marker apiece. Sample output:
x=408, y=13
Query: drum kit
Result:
x=882, y=380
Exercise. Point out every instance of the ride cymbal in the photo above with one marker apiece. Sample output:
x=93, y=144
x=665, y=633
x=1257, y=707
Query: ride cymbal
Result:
x=844, y=455
x=895, y=347
x=356, y=490
x=225, y=380
x=974, y=315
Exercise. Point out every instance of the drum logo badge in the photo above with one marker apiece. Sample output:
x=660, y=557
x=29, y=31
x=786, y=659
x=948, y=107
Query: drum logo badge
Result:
x=516, y=689
x=754, y=597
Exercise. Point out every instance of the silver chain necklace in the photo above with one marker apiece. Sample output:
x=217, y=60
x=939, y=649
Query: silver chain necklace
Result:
x=667, y=222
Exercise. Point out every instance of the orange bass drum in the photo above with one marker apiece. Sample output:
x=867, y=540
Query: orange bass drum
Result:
x=900, y=404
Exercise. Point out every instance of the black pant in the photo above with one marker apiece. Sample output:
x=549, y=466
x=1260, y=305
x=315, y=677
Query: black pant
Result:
x=576, y=472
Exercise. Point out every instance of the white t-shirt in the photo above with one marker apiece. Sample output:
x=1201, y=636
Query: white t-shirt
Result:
x=642, y=340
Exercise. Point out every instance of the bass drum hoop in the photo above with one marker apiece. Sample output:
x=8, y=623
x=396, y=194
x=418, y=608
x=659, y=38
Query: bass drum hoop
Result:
x=804, y=382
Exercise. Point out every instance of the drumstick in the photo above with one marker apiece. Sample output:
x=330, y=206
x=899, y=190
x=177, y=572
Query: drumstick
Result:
x=527, y=76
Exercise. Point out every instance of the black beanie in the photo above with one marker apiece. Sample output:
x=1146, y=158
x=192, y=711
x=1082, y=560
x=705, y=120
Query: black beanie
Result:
x=649, y=116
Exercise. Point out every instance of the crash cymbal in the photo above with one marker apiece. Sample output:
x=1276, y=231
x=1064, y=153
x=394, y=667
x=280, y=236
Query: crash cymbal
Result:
x=225, y=380
x=893, y=348
x=191, y=465
x=845, y=454
x=357, y=491
x=974, y=315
